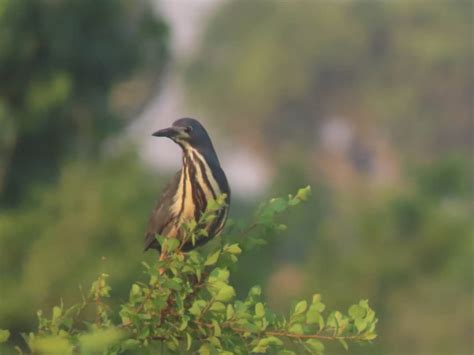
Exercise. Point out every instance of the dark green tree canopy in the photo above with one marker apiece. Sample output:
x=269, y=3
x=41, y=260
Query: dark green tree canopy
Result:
x=59, y=61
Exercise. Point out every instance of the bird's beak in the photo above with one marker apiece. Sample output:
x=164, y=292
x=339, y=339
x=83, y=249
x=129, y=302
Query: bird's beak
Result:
x=167, y=132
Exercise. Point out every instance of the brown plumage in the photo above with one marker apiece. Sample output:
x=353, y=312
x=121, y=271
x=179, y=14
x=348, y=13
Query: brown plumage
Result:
x=186, y=196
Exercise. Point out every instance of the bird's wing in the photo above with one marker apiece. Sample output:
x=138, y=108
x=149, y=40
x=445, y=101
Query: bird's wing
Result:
x=161, y=213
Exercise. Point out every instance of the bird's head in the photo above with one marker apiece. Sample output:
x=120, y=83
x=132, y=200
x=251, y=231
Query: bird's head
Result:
x=187, y=132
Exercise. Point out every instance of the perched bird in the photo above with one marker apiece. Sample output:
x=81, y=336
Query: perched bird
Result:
x=200, y=180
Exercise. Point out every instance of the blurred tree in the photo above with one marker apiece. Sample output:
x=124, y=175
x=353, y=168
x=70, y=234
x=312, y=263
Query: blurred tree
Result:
x=412, y=248
x=68, y=231
x=278, y=69
x=71, y=72
x=59, y=61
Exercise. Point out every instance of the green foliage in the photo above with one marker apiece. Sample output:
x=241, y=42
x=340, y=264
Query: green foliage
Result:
x=4, y=335
x=68, y=233
x=188, y=304
x=400, y=247
x=63, y=64
x=399, y=65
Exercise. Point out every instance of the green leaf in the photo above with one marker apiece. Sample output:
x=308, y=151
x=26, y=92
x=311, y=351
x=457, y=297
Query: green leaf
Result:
x=184, y=324
x=229, y=312
x=218, y=307
x=99, y=340
x=316, y=298
x=252, y=328
x=189, y=341
x=263, y=344
x=135, y=291
x=160, y=239
x=293, y=201
x=315, y=345
x=370, y=315
x=56, y=312
x=300, y=307
x=313, y=315
x=212, y=259
x=130, y=344
x=215, y=341
x=334, y=319
x=319, y=306
x=260, y=349
x=356, y=311
x=217, y=328
x=173, y=284
x=69, y=314
x=344, y=344
x=4, y=335
x=50, y=345
x=197, y=307
x=296, y=329
x=233, y=249
x=172, y=344
x=274, y=341
x=214, y=205
x=370, y=336
x=225, y=294
x=219, y=274
x=304, y=193
x=171, y=244
x=255, y=292
x=360, y=324
x=259, y=310
x=278, y=204
x=321, y=322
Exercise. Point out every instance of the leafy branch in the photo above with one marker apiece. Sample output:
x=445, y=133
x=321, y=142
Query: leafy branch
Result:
x=188, y=304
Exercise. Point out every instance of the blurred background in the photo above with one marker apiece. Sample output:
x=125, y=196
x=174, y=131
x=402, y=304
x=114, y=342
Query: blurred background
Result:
x=370, y=102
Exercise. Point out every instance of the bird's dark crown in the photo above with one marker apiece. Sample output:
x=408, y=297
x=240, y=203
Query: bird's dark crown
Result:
x=194, y=133
x=189, y=132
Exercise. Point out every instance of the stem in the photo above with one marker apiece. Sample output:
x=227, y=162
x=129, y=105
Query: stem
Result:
x=283, y=333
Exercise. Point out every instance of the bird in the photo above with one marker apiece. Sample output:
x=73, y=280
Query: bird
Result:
x=200, y=180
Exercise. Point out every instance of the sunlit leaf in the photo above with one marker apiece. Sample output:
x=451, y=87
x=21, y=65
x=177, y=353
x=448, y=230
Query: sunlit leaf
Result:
x=316, y=345
x=300, y=307
x=4, y=335
x=212, y=259
x=259, y=310
x=225, y=294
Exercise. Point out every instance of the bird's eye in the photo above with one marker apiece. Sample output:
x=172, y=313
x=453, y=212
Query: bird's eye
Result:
x=188, y=129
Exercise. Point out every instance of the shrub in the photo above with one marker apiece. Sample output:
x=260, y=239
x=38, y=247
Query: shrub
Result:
x=189, y=305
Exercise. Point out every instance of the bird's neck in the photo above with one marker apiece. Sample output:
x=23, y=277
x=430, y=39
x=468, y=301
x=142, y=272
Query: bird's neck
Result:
x=207, y=155
x=205, y=167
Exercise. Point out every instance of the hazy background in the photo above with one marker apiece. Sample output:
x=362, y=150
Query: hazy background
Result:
x=370, y=102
